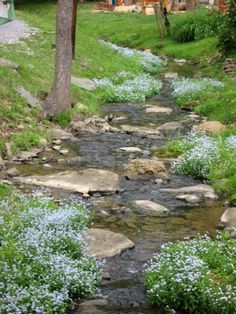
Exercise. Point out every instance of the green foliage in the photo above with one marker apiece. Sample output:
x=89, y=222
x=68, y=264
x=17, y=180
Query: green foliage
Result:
x=2, y=146
x=194, y=25
x=227, y=35
x=173, y=149
x=5, y=190
x=27, y=138
x=64, y=118
x=197, y=276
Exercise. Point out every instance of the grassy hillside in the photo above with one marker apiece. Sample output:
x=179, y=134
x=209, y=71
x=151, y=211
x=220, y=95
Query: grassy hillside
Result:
x=36, y=62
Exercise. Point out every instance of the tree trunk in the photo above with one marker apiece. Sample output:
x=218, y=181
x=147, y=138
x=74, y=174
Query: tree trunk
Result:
x=59, y=99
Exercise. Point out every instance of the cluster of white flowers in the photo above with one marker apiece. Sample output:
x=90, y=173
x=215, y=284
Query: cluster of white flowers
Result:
x=43, y=259
x=231, y=140
x=131, y=90
x=201, y=154
x=190, y=86
x=181, y=276
x=150, y=63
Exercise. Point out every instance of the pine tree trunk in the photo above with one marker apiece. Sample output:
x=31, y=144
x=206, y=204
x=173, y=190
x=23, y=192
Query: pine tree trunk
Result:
x=59, y=99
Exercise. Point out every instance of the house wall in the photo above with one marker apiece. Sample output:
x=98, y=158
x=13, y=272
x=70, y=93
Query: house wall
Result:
x=4, y=8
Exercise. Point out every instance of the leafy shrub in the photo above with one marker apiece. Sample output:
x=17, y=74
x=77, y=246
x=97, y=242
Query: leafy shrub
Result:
x=194, y=25
x=43, y=261
x=136, y=89
x=227, y=34
x=196, y=275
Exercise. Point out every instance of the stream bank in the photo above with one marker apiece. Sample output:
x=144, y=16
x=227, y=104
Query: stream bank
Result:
x=123, y=287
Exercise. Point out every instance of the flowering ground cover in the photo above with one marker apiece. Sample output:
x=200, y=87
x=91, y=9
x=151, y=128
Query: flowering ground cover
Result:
x=206, y=157
x=149, y=62
x=187, y=90
x=197, y=275
x=43, y=260
x=126, y=87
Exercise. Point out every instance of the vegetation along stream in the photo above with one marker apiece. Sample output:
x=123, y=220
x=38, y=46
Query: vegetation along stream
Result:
x=124, y=286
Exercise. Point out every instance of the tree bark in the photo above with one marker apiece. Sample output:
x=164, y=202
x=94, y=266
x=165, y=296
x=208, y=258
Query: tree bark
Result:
x=59, y=99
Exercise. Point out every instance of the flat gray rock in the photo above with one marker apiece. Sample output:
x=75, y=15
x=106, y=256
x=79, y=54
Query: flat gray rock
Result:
x=139, y=130
x=91, y=306
x=104, y=243
x=28, y=155
x=189, y=198
x=84, y=181
x=59, y=134
x=84, y=83
x=130, y=149
x=202, y=190
x=31, y=100
x=155, y=109
x=171, y=126
x=9, y=63
x=149, y=207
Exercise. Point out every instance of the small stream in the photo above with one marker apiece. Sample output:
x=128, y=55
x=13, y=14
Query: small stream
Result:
x=124, y=291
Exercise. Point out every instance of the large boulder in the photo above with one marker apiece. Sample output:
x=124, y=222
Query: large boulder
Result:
x=150, y=208
x=210, y=127
x=84, y=181
x=228, y=219
x=145, y=167
x=104, y=243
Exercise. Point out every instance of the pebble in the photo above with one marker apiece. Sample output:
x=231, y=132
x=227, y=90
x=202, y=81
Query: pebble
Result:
x=47, y=166
x=57, y=142
x=64, y=152
x=56, y=147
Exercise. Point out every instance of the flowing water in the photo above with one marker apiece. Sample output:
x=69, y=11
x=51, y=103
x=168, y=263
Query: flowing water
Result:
x=125, y=289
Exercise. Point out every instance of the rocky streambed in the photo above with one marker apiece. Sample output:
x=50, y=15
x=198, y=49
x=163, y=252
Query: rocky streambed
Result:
x=109, y=162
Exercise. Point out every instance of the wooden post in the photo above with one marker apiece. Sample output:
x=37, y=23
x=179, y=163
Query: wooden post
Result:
x=73, y=31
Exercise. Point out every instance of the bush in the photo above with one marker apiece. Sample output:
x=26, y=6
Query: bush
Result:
x=227, y=34
x=197, y=276
x=194, y=25
x=43, y=261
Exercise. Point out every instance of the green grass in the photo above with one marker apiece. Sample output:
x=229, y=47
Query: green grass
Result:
x=36, y=59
